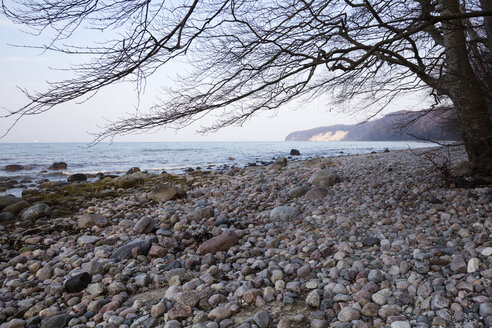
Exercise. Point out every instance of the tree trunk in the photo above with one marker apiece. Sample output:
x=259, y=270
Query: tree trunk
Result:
x=475, y=126
x=487, y=21
x=463, y=87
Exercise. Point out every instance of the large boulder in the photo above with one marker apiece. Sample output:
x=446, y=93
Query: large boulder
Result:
x=323, y=178
x=163, y=193
x=284, y=213
x=58, y=166
x=316, y=193
x=16, y=208
x=222, y=242
x=90, y=220
x=133, y=170
x=77, y=177
x=36, y=211
x=131, y=180
x=6, y=200
x=298, y=191
x=6, y=217
x=14, y=167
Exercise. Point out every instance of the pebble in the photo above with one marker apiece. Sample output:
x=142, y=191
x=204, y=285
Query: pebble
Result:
x=220, y=313
x=400, y=324
x=473, y=265
x=348, y=314
x=313, y=299
x=485, y=309
x=262, y=319
x=223, y=242
x=487, y=251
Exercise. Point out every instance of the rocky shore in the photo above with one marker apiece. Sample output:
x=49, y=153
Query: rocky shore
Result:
x=371, y=240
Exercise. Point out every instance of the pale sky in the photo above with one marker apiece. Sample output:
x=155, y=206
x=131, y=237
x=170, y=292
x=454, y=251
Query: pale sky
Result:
x=72, y=122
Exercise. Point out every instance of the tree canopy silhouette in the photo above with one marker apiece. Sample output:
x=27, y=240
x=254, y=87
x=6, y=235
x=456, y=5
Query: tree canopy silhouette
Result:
x=250, y=56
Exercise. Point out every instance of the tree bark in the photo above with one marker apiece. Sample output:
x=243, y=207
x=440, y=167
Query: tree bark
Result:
x=487, y=6
x=464, y=89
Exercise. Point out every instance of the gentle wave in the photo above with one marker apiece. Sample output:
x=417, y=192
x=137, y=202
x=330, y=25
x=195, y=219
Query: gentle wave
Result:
x=170, y=150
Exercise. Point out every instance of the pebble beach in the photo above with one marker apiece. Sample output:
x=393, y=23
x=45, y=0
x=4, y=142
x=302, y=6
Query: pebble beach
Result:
x=363, y=241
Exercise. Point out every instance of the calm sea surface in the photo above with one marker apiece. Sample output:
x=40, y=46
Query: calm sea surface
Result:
x=173, y=157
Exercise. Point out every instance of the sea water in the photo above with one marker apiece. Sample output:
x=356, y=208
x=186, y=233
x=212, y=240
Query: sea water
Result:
x=172, y=157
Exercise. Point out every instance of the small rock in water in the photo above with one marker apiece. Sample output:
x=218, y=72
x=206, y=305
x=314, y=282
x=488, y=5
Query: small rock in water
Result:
x=58, y=166
x=13, y=167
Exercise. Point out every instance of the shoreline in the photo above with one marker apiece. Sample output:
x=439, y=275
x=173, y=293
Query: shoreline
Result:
x=30, y=163
x=370, y=240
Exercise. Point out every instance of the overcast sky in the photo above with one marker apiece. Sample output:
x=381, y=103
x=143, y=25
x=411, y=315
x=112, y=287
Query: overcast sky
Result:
x=73, y=122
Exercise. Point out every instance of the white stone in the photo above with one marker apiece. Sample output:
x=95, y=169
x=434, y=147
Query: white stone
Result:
x=276, y=275
x=400, y=324
x=487, y=251
x=284, y=213
x=473, y=265
x=313, y=299
x=381, y=296
x=312, y=284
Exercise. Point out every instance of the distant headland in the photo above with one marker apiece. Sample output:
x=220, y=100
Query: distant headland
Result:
x=439, y=124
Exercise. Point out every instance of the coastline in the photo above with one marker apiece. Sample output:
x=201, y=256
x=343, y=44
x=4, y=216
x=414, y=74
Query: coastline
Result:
x=367, y=240
x=33, y=161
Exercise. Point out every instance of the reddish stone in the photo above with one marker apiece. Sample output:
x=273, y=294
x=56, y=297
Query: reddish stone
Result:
x=222, y=242
x=386, y=221
x=157, y=251
x=111, y=306
x=180, y=312
x=144, y=225
x=201, y=213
